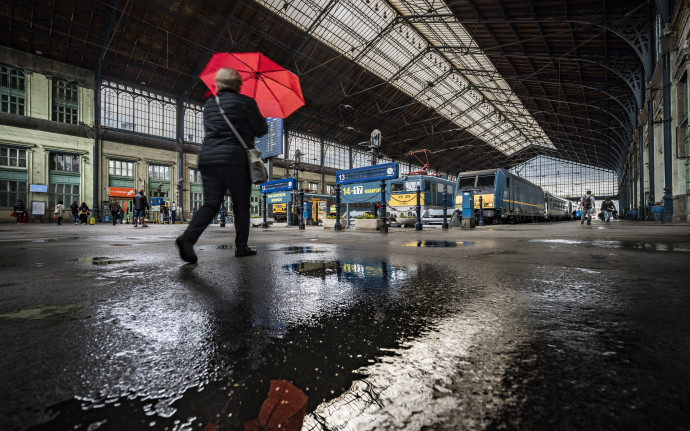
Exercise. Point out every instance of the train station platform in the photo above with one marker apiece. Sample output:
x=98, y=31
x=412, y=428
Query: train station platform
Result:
x=547, y=326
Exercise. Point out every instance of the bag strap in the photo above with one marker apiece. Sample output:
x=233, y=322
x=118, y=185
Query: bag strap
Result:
x=227, y=120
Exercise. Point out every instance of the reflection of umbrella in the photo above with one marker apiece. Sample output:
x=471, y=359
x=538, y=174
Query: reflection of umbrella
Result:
x=275, y=89
x=283, y=409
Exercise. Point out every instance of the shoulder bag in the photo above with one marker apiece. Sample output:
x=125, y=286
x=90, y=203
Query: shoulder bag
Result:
x=257, y=169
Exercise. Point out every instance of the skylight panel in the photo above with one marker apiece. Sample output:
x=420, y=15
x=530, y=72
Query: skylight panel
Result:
x=354, y=27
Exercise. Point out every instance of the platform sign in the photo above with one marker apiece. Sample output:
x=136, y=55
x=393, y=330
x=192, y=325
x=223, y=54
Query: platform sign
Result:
x=38, y=188
x=271, y=144
x=279, y=197
x=156, y=204
x=278, y=185
x=369, y=191
x=386, y=171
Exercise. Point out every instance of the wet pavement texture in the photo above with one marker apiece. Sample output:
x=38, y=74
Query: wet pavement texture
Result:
x=552, y=326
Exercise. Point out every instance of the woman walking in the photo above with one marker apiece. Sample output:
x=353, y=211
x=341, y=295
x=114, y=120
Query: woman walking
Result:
x=59, y=212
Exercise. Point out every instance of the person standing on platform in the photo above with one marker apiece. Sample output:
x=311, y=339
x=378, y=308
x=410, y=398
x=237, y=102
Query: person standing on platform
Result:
x=587, y=206
x=114, y=211
x=19, y=211
x=173, y=208
x=223, y=162
x=141, y=205
x=75, y=212
x=59, y=212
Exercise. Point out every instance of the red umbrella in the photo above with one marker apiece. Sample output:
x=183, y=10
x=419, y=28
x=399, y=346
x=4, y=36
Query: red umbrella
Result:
x=275, y=89
x=283, y=409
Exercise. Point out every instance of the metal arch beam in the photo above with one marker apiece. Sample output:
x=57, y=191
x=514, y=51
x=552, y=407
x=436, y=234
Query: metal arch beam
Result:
x=624, y=75
x=203, y=59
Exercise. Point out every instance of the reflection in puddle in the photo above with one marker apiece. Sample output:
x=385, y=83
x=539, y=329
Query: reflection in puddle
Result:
x=44, y=311
x=225, y=247
x=121, y=245
x=370, y=275
x=435, y=243
x=300, y=249
x=630, y=245
x=102, y=260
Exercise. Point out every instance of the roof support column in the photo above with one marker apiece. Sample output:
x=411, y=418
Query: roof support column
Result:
x=96, y=155
x=640, y=164
x=668, y=149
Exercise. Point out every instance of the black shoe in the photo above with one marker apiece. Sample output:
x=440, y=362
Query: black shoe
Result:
x=246, y=251
x=186, y=249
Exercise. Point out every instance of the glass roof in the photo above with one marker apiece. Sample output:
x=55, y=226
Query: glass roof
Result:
x=419, y=47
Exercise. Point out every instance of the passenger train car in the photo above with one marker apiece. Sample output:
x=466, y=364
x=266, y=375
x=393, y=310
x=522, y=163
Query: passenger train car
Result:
x=505, y=197
x=402, y=201
x=557, y=208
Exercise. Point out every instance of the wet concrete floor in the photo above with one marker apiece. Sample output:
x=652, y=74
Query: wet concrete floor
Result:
x=516, y=327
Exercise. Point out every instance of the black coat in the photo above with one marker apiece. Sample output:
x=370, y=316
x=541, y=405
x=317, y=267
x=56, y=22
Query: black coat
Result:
x=141, y=202
x=221, y=147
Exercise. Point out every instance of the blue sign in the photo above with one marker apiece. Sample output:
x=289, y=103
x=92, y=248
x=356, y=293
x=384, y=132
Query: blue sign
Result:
x=156, y=201
x=279, y=197
x=38, y=188
x=271, y=144
x=278, y=185
x=361, y=192
x=386, y=171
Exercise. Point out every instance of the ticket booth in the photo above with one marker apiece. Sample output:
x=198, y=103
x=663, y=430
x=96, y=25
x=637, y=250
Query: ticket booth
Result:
x=125, y=196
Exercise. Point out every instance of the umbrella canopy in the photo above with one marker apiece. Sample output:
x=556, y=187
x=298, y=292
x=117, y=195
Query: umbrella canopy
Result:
x=275, y=89
x=283, y=409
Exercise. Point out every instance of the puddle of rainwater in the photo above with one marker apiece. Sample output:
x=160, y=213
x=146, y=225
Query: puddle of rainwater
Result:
x=300, y=249
x=630, y=245
x=44, y=312
x=101, y=260
x=121, y=245
x=344, y=271
x=434, y=243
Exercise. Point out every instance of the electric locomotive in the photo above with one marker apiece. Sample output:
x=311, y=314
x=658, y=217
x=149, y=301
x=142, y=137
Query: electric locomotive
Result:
x=402, y=201
x=505, y=197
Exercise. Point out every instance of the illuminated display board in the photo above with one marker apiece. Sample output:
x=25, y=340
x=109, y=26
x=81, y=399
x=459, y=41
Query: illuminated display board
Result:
x=271, y=144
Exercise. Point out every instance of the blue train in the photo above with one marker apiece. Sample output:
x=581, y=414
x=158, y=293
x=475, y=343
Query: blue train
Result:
x=506, y=198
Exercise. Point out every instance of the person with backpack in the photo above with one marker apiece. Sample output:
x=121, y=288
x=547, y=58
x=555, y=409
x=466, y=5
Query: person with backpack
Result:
x=114, y=210
x=587, y=206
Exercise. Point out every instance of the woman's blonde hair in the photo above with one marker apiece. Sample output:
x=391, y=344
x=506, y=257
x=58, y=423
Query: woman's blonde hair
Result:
x=228, y=79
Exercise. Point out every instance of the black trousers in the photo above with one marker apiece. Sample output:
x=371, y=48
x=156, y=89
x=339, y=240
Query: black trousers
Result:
x=216, y=180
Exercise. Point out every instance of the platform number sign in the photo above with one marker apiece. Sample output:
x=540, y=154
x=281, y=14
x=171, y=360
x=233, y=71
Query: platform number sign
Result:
x=386, y=171
x=358, y=190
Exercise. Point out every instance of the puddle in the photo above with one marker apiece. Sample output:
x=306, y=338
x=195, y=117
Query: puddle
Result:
x=630, y=245
x=447, y=244
x=225, y=247
x=121, y=245
x=44, y=312
x=300, y=249
x=101, y=261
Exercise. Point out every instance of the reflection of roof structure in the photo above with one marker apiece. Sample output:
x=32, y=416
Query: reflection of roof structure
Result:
x=479, y=83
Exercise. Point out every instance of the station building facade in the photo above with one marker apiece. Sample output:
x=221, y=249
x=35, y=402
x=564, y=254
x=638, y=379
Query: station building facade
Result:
x=51, y=148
